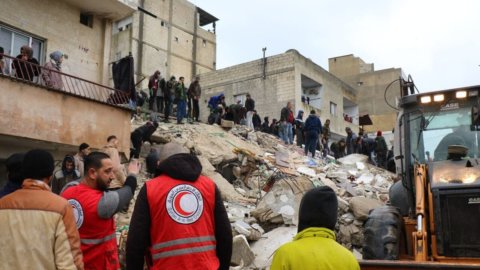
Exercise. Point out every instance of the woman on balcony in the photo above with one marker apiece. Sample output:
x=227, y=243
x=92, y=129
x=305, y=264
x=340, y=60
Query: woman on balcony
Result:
x=27, y=68
x=50, y=74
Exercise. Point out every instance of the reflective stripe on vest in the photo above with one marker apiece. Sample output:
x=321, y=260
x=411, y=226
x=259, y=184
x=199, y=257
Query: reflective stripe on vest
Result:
x=98, y=240
x=183, y=251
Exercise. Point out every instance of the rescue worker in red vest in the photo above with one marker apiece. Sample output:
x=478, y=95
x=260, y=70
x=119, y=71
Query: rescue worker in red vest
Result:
x=94, y=208
x=179, y=220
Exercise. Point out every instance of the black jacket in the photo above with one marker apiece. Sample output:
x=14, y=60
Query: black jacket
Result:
x=186, y=167
x=145, y=131
x=250, y=104
x=284, y=114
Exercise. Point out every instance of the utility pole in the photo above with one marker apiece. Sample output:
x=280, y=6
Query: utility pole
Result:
x=264, y=63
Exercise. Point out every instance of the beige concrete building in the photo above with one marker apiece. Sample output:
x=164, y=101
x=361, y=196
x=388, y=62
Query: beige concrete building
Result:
x=79, y=28
x=282, y=78
x=173, y=36
x=370, y=84
x=81, y=110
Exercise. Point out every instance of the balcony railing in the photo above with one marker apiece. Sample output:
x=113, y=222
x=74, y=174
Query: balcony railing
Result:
x=52, y=79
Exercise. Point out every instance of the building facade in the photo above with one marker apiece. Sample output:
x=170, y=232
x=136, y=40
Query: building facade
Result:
x=278, y=79
x=172, y=36
x=80, y=29
x=371, y=85
x=83, y=109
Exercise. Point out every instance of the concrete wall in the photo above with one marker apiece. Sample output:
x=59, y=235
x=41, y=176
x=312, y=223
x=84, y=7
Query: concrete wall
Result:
x=333, y=90
x=270, y=95
x=282, y=84
x=371, y=86
x=31, y=113
x=168, y=41
x=59, y=25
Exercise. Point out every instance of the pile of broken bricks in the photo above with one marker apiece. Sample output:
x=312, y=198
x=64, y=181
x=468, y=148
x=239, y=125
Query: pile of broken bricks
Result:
x=262, y=182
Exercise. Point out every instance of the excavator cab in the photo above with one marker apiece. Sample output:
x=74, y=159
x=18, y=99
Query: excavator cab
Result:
x=434, y=218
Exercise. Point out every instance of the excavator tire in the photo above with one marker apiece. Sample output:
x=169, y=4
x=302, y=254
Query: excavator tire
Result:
x=382, y=234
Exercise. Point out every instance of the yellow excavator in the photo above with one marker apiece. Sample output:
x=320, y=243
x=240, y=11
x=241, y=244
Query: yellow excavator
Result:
x=433, y=220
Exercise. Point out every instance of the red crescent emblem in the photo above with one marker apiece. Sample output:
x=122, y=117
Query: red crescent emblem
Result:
x=178, y=207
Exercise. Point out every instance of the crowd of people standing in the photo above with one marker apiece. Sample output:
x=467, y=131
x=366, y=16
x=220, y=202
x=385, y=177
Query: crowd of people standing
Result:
x=163, y=95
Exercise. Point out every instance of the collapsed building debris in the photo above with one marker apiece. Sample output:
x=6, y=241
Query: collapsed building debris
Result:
x=262, y=182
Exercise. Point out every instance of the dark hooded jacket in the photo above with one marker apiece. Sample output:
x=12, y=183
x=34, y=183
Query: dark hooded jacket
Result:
x=63, y=176
x=146, y=131
x=186, y=167
x=15, y=177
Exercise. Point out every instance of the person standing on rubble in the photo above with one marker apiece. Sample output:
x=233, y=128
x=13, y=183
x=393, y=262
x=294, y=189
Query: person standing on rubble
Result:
x=299, y=128
x=381, y=150
x=313, y=127
x=169, y=95
x=83, y=151
x=250, y=106
x=94, y=208
x=179, y=220
x=140, y=135
x=38, y=226
x=315, y=246
x=286, y=124
x=351, y=141
x=325, y=137
x=153, y=88
x=194, y=93
x=181, y=97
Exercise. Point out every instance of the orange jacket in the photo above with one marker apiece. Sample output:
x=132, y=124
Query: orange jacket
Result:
x=39, y=230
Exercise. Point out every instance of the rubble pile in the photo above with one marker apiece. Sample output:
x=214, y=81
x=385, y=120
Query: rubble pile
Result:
x=262, y=182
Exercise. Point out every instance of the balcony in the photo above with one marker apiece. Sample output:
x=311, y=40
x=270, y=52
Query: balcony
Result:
x=56, y=111
x=109, y=9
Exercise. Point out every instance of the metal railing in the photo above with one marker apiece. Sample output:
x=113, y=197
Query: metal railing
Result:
x=28, y=72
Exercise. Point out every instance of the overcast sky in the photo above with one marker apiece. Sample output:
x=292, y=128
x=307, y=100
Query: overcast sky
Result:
x=437, y=42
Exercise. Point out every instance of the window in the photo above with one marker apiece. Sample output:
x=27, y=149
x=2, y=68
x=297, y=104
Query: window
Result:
x=333, y=109
x=86, y=20
x=204, y=43
x=122, y=25
x=176, y=39
x=241, y=98
x=11, y=40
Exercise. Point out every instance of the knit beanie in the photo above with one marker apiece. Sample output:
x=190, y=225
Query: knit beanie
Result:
x=379, y=133
x=318, y=208
x=38, y=164
x=171, y=149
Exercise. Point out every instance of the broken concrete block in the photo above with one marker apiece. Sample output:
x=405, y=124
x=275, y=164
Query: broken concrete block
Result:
x=366, y=178
x=343, y=205
x=358, y=255
x=351, y=160
x=241, y=252
x=269, y=243
x=329, y=183
x=347, y=218
x=307, y=171
x=242, y=227
x=360, y=166
x=361, y=206
x=227, y=124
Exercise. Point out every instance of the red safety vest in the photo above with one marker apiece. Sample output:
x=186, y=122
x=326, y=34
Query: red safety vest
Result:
x=97, y=235
x=182, y=228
